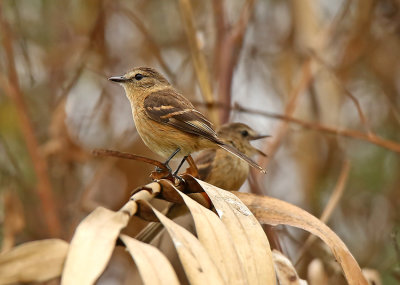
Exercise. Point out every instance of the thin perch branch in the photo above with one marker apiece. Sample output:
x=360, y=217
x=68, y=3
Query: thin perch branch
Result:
x=125, y=155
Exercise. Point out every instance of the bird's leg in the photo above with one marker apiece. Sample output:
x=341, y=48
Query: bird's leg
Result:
x=179, y=166
x=168, y=160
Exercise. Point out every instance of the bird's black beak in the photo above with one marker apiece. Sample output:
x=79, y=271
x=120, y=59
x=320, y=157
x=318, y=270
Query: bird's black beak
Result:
x=257, y=137
x=118, y=79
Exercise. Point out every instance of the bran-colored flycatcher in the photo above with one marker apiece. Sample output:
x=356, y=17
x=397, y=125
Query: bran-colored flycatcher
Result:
x=166, y=121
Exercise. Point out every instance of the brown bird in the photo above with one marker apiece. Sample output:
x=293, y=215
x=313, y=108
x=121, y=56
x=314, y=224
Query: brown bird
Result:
x=166, y=121
x=216, y=167
x=223, y=170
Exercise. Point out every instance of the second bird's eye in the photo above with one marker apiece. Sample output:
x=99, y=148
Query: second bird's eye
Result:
x=245, y=133
x=138, y=76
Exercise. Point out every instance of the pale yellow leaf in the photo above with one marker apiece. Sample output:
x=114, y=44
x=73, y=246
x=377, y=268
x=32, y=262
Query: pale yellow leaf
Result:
x=249, y=238
x=92, y=245
x=213, y=234
x=154, y=267
x=199, y=267
x=34, y=261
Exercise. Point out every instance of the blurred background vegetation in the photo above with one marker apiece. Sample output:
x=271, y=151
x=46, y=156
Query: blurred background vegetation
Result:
x=321, y=77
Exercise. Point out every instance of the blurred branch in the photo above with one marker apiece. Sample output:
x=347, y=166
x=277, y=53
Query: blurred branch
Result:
x=229, y=44
x=22, y=39
x=11, y=86
x=152, y=45
x=220, y=26
x=337, y=192
x=198, y=58
x=360, y=35
x=333, y=201
x=282, y=128
x=388, y=144
x=84, y=56
x=363, y=118
x=13, y=221
x=395, y=239
x=18, y=177
x=354, y=134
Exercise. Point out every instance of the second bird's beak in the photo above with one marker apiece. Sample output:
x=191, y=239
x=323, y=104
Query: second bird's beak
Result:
x=118, y=79
x=257, y=137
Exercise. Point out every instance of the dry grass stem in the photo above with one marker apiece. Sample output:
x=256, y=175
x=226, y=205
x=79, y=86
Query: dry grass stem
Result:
x=333, y=201
x=44, y=189
x=199, y=60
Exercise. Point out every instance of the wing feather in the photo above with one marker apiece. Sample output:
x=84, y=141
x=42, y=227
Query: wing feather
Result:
x=169, y=107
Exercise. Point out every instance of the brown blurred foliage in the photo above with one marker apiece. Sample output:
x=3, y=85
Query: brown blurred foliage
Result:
x=322, y=77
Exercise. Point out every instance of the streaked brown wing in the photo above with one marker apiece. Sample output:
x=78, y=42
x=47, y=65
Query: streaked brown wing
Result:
x=171, y=108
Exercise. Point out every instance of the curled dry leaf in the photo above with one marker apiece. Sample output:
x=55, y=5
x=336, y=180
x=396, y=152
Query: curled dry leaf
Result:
x=214, y=236
x=92, y=245
x=274, y=212
x=199, y=267
x=34, y=261
x=154, y=267
x=247, y=234
x=285, y=271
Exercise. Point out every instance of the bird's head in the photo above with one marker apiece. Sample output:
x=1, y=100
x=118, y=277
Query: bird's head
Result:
x=141, y=79
x=239, y=135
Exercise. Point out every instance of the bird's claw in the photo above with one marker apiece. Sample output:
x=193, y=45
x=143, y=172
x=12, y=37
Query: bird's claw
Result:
x=180, y=179
x=162, y=170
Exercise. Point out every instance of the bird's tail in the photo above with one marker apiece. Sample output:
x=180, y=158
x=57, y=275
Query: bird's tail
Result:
x=237, y=153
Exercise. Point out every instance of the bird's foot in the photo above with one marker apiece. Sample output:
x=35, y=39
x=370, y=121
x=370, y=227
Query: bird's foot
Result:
x=163, y=170
x=178, y=180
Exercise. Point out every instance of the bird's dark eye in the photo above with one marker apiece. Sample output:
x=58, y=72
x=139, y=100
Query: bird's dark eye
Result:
x=245, y=133
x=139, y=76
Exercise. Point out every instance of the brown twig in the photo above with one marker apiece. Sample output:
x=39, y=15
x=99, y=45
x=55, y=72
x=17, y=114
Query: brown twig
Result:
x=229, y=47
x=388, y=144
x=114, y=153
x=363, y=118
x=12, y=88
x=220, y=27
x=354, y=134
